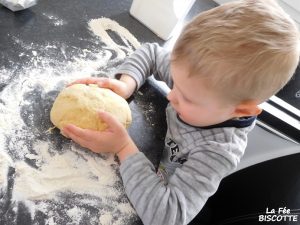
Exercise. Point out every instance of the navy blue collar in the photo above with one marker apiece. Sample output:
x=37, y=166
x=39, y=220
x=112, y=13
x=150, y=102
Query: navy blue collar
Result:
x=238, y=123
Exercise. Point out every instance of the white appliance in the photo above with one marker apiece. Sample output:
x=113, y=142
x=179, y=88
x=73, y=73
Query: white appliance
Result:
x=163, y=17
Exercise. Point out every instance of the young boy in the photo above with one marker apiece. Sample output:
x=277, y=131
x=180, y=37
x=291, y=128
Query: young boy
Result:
x=226, y=62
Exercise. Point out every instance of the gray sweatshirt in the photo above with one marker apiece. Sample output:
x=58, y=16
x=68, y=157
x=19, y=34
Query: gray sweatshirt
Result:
x=194, y=160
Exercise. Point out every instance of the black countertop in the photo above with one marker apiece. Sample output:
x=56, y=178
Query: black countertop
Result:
x=31, y=33
x=58, y=30
x=54, y=34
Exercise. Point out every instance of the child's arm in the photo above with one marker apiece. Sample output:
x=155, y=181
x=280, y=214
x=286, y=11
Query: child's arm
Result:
x=149, y=59
x=188, y=188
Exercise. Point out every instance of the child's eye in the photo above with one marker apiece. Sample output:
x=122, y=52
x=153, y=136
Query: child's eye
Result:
x=180, y=94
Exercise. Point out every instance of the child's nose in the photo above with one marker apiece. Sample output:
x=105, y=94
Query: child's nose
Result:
x=172, y=97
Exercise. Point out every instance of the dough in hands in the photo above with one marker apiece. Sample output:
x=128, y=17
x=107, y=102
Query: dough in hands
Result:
x=79, y=105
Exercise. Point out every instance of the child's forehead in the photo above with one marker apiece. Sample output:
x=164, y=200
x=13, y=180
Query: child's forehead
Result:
x=183, y=70
x=180, y=66
x=183, y=78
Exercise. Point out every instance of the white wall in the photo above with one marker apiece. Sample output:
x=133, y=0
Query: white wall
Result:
x=292, y=7
x=222, y=1
x=293, y=3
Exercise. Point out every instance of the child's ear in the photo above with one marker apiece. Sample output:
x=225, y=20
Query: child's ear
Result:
x=247, y=108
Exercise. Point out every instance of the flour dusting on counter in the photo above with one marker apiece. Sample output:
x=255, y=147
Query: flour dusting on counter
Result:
x=55, y=20
x=54, y=178
x=100, y=27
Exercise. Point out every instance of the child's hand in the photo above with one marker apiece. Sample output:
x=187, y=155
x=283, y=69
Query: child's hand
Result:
x=114, y=139
x=123, y=87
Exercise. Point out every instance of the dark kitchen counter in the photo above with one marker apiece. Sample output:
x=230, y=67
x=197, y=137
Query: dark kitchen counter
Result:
x=58, y=30
x=63, y=24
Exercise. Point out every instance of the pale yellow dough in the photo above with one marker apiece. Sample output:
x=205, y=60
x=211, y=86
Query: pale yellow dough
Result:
x=78, y=104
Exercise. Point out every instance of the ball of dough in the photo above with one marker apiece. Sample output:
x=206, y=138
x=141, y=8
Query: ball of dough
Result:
x=78, y=104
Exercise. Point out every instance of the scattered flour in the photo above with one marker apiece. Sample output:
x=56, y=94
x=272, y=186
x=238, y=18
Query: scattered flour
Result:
x=100, y=27
x=53, y=176
x=71, y=171
x=5, y=163
x=105, y=219
x=56, y=21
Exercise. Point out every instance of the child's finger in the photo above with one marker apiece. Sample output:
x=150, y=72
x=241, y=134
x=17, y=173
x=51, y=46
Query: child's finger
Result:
x=79, y=81
x=109, y=119
x=88, y=80
x=70, y=129
x=103, y=82
x=109, y=83
x=74, y=137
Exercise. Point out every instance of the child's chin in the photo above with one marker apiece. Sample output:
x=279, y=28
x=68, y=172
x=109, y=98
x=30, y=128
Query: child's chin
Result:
x=188, y=122
x=182, y=118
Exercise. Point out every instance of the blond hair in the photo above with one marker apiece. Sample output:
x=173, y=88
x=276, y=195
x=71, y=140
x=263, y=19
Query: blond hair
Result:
x=245, y=50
